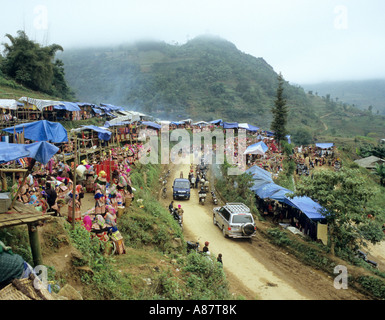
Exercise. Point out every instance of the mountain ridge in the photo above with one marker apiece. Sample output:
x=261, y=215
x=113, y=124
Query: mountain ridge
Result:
x=206, y=78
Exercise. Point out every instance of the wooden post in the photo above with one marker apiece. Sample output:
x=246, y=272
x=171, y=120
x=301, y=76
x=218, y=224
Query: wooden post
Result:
x=74, y=184
x=29, y=170
x=35, y=244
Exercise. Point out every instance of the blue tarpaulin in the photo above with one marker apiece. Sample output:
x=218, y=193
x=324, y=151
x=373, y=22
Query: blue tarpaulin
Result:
x=68, y=106
x=324, y=145
x=152, y=124
x=110, y=107
x=218, y=122
x=40, y=151
x=98, y=111
x=108, y=124
x=253, y=146
x=273, y=191
x=264, y=187
x=103, y=134
x=261, y=177
x=248, y=127
x=230, y=125
x=307, y=206
x=42, y=130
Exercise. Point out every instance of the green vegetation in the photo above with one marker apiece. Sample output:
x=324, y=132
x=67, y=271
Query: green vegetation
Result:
x=156, y=265
x=30, y=65
x=208, y=78
x=279, y=111
x=345, y=197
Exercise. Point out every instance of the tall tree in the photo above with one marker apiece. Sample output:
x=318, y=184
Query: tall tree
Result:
x=280, y=112
x=33, y=66
x=345, y=198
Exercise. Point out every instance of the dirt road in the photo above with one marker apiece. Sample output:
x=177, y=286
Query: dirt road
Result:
x=255, y=269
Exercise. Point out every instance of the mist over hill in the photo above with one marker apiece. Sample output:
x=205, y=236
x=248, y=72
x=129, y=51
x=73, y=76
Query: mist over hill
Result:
x=362, y=94
x=207, y=78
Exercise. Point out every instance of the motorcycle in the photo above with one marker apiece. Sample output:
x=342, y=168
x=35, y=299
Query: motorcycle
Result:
x=192, y=246
x=164, y=193
x=215, y=200
x=202, y=198
x=177, y=217
x=362, y=255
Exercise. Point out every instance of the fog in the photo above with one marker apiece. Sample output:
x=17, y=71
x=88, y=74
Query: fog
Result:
x=308, y=41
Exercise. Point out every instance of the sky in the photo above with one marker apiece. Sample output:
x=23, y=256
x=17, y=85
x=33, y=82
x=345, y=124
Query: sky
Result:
x=308, y=41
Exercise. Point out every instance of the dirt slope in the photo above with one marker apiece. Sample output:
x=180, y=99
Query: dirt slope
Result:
x=255, y=269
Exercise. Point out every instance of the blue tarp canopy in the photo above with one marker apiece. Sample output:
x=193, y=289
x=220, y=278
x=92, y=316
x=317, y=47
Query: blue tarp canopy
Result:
x=230, y=125
x=103, y=134
x=248, y=127
x=307, y=206
x=324, y=145
x=82, y=104
x=42, y=130
x=151, y=124
x=264, y=187
x=110, y=107
x=177, y=123
x=218, y=121
x=269, y=133
x=288, y=139
x=261, y=177
x=261, y=144
x=68, y=106
x=252, y=147
x=40, y=151
x=96, y=110
x=273, y=191
x=107, y=124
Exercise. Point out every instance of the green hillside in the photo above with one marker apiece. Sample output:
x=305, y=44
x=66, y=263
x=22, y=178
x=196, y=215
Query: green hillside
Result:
x=362, y=94
x=206, y=79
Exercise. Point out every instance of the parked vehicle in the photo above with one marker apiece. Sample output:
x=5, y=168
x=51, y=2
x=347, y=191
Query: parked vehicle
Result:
x=192, y=246
x=181, y=189
x=235, y=220
x=215, y=200
x=202, y=196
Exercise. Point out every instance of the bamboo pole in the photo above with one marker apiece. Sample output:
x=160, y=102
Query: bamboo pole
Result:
x=74, y=185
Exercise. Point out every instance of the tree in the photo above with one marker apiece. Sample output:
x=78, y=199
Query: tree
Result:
x=344, y=196
x=33, y=66
x=280, y=112
x=379, y=170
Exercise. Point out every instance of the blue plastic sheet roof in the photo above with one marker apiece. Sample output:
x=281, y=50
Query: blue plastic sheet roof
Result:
x=248, y=127
x=218, y=121
x=260, y=143
x=110, y=107
x=68, y=106
x=152, y=124
x=40, y=151
x=307, y=206
x=264, y=187
x=103, y=134
x=230, y=125
x=42, y=130
x=324, y=145
x=273, y=191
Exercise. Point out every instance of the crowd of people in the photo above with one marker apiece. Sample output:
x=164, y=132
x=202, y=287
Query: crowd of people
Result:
x=310, y=157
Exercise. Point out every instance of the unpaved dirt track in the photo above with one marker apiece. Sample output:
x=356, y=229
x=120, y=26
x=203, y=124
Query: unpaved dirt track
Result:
x=255, y=269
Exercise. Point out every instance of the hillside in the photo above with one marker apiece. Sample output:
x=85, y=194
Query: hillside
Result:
x=362, y=94
x=206, y=78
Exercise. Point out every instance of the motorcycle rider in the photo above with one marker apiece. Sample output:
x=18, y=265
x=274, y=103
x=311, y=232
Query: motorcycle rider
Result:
x=202, y=193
